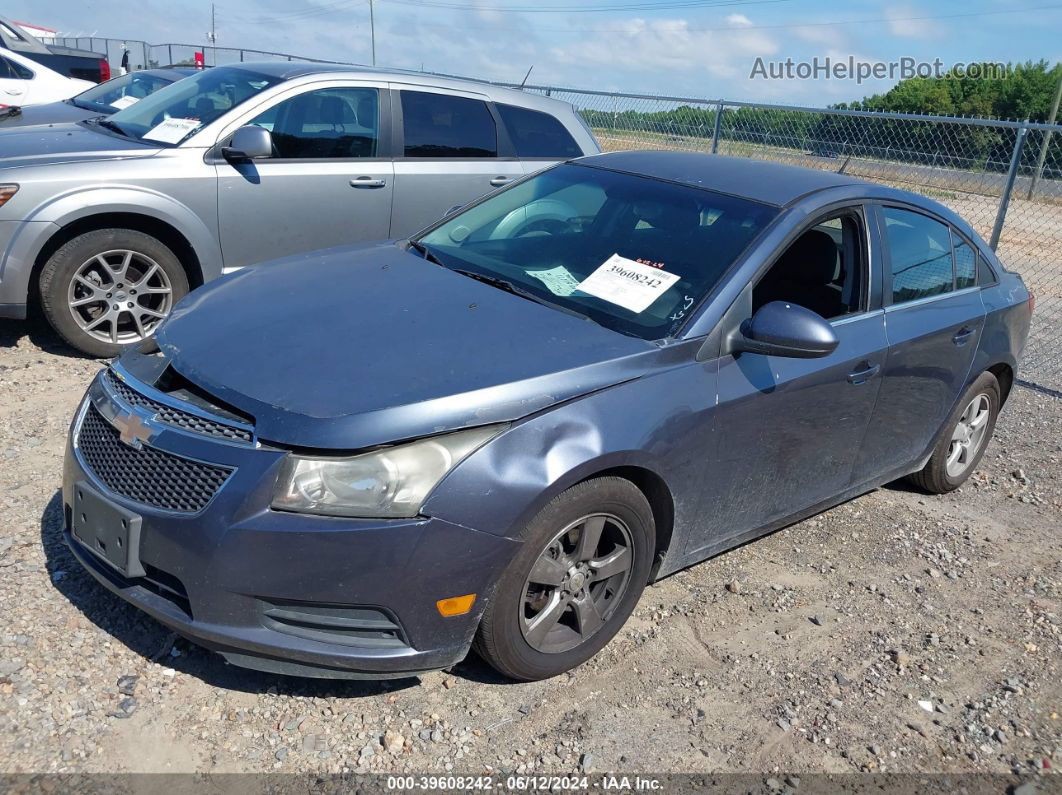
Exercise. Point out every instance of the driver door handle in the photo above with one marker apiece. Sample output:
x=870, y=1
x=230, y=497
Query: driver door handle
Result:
x=367, y=182
x=963, y=335
x=497, y=182
x=864, y=374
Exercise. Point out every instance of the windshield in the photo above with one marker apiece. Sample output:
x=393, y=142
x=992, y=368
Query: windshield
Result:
x=121, y=92
x=173, y=113
x=632, y=253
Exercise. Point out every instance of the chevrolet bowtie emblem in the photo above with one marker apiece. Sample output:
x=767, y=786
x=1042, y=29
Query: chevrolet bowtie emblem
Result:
x=132, y=429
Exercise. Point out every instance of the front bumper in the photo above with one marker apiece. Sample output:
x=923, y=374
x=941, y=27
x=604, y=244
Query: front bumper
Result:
x=252, y=583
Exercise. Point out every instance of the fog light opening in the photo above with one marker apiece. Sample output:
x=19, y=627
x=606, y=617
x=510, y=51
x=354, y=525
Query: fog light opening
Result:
x=455, y=605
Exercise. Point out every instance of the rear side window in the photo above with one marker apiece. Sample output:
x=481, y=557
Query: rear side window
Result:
x=965, y=264
x=537, y=134
x=439, y=125
x=920, y=250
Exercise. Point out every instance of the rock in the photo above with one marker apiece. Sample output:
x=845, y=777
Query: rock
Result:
x=816, y=621
x=281, y=754
x=783, y=724
x=367, y=752
x=127, y=684
x=900, y=657
x=8, y=667
x=393, y=742
x=733, y=586
x=926, y=705
x=841, y=679
x=586, y=763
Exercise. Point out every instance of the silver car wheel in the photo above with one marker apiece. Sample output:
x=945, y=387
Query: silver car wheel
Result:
x=969, y=435
x=575, y=584
x=119, y=296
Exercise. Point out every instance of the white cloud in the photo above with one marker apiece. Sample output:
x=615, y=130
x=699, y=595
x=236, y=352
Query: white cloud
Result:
x=901, y=22
x=739, y=20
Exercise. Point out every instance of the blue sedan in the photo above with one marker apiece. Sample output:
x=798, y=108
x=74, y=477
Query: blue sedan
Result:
x=362, y=462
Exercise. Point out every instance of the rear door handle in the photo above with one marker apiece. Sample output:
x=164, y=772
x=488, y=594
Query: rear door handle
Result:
x=367, y=182
x=962, y=336
x=497, y=182
x=864, y=374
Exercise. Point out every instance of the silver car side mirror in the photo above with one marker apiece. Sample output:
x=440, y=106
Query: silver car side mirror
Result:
x=248, y=143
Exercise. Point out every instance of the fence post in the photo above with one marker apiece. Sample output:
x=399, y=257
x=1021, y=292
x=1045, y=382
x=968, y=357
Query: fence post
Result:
x=1004, y=200
x=718, y=124
x=170, y=48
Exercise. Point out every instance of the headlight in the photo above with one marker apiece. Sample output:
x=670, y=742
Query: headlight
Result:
x=6, y=192
x=389, y=483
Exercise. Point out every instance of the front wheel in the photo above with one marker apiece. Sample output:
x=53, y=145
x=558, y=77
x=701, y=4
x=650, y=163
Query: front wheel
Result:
x=108, y=289
x=581, y=570
x=964, y=439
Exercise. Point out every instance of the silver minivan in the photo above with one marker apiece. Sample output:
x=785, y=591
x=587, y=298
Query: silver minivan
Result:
x=110, y=221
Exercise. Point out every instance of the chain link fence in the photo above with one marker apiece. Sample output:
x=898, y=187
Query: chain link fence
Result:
x=1004, y=177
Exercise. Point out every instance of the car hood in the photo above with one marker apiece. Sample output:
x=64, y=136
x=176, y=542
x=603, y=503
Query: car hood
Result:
x=49, y=113
x=64, y=143
x=355, y=347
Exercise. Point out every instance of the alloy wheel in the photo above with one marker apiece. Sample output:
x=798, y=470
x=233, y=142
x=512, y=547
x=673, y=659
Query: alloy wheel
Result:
x=969, y=435
x=576, y=582
x=119, y=296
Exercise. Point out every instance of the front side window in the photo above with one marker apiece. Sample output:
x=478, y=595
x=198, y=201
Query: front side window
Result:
x=537, y=134
x=634, y=254
x=441, y=125
x=822, y=270
x=327, y=123
x=920, y=250
x=173, y=113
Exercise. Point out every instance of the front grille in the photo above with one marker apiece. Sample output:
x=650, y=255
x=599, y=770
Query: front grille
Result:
x=147, y=475
x=176, y=417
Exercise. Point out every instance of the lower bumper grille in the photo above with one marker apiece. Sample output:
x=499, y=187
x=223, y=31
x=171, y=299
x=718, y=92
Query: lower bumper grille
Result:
x=148, y=476
x=348, y=625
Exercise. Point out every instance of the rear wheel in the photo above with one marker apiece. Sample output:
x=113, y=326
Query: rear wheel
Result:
x=964, y=439
x=582, y=568
x=108, y=289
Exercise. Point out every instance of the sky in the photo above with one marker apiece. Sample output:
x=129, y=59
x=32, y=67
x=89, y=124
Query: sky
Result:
x=697, y=48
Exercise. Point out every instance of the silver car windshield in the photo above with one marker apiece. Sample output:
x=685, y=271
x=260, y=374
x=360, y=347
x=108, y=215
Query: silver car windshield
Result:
x=632, y=253
x=173, y=113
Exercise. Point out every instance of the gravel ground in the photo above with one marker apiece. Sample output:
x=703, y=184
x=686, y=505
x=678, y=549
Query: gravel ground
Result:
x=898, y=632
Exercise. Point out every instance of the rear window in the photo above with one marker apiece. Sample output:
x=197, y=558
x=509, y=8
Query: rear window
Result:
x=441, y=125
x=537, y=134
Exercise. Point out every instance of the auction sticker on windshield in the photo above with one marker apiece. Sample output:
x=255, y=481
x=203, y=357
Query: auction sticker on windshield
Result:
x=627, y=283
x=124, y=102
x=558, y=280
x=172, y=131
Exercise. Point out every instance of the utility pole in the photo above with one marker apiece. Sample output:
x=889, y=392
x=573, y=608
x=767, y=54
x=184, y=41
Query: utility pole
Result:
x=1039, y=170
x=212, y=36
x=372, y=32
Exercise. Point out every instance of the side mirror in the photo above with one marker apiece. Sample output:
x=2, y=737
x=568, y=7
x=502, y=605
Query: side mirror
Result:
x=783, y=329
x=248, y=143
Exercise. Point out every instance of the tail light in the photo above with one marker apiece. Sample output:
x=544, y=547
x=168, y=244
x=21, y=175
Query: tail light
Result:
x=105, y=70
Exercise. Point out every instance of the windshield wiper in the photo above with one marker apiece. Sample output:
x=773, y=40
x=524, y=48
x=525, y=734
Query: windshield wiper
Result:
x=424, y=251
x=110, y=125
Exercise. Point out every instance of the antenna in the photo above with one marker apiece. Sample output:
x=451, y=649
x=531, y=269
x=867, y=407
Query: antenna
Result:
x=524, y=81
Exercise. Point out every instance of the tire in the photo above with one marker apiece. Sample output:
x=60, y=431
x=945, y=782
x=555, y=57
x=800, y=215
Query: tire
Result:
x=85, y=310
x=936, y=477
x=509, y=638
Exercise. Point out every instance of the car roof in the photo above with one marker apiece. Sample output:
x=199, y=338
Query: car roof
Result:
x=760, y=180
x=290, y=70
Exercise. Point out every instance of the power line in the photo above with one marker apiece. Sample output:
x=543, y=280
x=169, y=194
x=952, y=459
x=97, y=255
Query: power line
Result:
x=630, y=5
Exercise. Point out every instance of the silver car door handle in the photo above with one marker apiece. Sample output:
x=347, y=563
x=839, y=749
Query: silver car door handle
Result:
x=12, y=91
x=864, y=374
x=367, y=182
x=497, y=182
x=963, y=335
